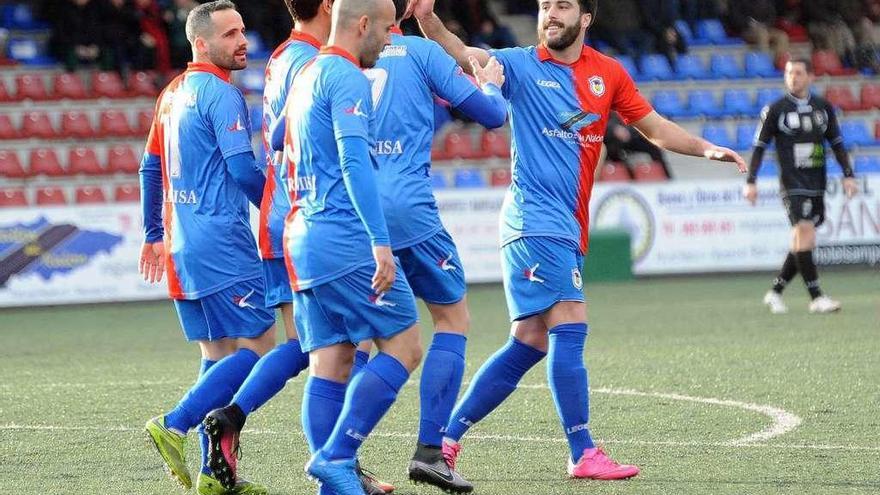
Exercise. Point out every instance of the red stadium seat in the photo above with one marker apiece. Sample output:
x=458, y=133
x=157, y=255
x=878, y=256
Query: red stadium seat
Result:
x=842, y=97
x=76, y=125
x=614, y=172
x=37, y=125
x=48, y=196
x=69, y=86
x=121, y=159
x=142, y=84
x=438, y=152
x=127, y=193
x=86, y=195
x=108, y=85
x=144, y=121
x=827, y=62
x=870, y=96
x=44, y=161
x=500, y=177
x=10, y=198
x=877, y=130
x=649, y=172
x=31, y=87
x=81, y=160
x=458, y=144
x=10, y=165
x=495, y=143
x=7, y=129
x=4, y=93
x=114, y=123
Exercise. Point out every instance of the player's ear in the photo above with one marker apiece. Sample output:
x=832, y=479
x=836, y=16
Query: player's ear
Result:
x=327, y=5
x=364, y=25
x=586, y=20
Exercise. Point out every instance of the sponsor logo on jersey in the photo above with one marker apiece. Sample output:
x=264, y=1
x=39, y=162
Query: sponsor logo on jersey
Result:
x=181, y=196
x=393, y=51
x=242, y=301
x=531, y=274
x=237, y=126
x=388, y=147
x=577, y=120
x=379, y=300
x=597, y=85
x=548, y=84
x=306, y=183
x=356, y=109
x=582, y=139
x=446, y=264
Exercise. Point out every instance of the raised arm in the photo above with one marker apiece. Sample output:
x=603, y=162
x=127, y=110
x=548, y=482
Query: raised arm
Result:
x=670, y=136
x=433, y=27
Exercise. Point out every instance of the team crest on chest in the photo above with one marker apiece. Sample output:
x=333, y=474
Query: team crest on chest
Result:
x=597, y=85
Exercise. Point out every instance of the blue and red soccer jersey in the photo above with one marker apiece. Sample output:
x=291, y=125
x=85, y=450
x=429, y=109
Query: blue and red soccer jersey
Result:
x=558, y=115
x=201, y=120
x=410, y=71
x=287, y=60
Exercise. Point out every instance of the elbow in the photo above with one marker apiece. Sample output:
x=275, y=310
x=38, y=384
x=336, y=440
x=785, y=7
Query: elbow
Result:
x=493, y=120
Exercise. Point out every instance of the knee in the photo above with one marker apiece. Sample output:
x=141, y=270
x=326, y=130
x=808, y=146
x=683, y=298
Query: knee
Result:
x=452, y=319
x=411, y=358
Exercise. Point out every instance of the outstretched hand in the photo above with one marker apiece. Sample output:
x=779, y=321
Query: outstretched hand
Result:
x=422, y=8
x=492, y=72
x=721, y=154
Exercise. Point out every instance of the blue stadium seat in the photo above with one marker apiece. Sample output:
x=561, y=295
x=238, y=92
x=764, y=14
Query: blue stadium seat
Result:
x=713, y=31
x=769, y=168
x=832, y=166
x=738, y=102
x=629, y=64
x=28, y=51
x=469, y=178
x=669, y=104
x=856, y=132
x=656, y=67
x=767, y=96
x=684, y=30
x=867, y=164
x=745, y=136
x=718, y=134
x=760, y=64
x=703, y=103
x=256, y=48
x=252, y=80
x=438, y=179
x=19, y=16
x=725, y=65
x=691, y=67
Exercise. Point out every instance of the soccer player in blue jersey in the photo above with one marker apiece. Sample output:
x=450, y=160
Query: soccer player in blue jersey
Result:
x=197, y=176
x=347, y=285
x=560, y=95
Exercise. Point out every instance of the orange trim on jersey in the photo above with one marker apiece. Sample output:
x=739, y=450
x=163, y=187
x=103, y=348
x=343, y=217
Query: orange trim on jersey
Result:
x=581, y=73
x=342, y=52
x=544, y=55
x=224, y=74
x=305, y=37
x=396, y=30
x=265, y=210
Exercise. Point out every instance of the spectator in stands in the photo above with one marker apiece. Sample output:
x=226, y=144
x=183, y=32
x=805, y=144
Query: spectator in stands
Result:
x=619, y=24
x=121, y=32
x=175, y=20
x=153, y=50
x=695, y=10
x=493, y=35
x=754, y=21
x=660, y=17
x=77, y=33
x=843, y=27
x=262, y=17
x=620, y=140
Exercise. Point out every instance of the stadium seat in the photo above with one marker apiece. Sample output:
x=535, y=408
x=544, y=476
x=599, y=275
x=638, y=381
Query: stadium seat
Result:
x=796, y=32
x=769, y=168
x=252, y=80
x=691, y=66
x=469, y=178
x=127, y=193
x=438, y=180
x=738, y=102
x=20, y=15
x=86, y=195
x=726, y=66
x=759, y=64
x=144, y=121
x=142, y=84
x=7, y=129
x=629, y=64
x=870, y=96
x=70, y=86
x=76, y=125
x=82, y=160
x=614, y=172
x=11, y=198
x=10, y=165
x=50, y=196
x=669, y=104
x=114, y=123
x=712, y=31
x=649, y=172
x=867, y=164
x=826, y=62
x=459, y=144
x=4, y=93
x=122, y=159
x=500, y=177
x=877, y=130
x=718, y=134
x=745, y=136
x=842, y=97
x=766, y=96
x=656, y=68
x=684, y=30
x=703, y=103
x=108, y=85
x=856, y=132
x=30, y=87
x=44, y=161
x=495, y=144
x=37, y=125
x=832, y=167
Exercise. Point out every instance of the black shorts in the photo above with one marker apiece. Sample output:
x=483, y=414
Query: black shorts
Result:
x=805, y=209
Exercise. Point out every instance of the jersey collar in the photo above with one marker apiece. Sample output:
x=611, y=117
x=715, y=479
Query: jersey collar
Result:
x=544, y=55
x=304, y=37
x=210, y=68
x=335, y=50
x=396, y=30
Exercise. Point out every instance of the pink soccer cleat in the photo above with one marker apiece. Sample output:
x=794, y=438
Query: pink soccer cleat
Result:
x=596, y=465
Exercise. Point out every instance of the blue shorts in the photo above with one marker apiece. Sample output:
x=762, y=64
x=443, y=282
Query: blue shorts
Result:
x=540, y=272
x=433, y=269
x=348, y=310
x=237, y=311
x=277, y=283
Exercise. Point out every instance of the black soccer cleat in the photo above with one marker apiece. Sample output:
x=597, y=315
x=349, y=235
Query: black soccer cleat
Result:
x=429, y=466
x=222, y=428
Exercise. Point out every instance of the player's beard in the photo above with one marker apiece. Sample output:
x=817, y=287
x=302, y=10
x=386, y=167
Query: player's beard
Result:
x=564, y=40
x=225, y=61
x=372, y=47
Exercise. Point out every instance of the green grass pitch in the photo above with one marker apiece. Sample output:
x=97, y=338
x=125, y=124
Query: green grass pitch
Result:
x=682, y=370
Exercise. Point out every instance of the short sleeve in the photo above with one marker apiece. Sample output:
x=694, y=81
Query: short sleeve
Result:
x=229, y=117
x=351, y=104
x=628, y=101
x=446, y=78
x=766, y=128
x=511, y=59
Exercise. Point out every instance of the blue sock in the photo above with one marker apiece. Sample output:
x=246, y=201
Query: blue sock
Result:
x=214, y=389
x=493, y=383
x=361, y=358
x=270, y=374
x=567, y=377
x=203, y=439
x=441, y=381
x=322, y=401
x=369, y=395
